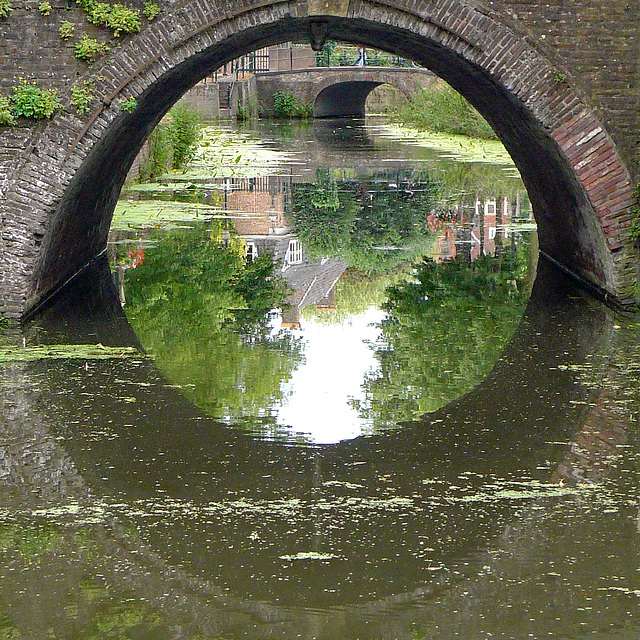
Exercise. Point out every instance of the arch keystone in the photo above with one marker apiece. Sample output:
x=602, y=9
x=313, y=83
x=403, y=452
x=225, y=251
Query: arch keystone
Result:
x=338, y=8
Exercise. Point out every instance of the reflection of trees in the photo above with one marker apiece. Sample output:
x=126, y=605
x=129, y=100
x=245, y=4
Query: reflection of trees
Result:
x=372, y=225
x=444, y=332
x=202, y=310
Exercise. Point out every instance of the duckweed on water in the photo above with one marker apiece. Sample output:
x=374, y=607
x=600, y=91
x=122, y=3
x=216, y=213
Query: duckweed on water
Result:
x=455, y=147
x=65, y=351
x=224, y=154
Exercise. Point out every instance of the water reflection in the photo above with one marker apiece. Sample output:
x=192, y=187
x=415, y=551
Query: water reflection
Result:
x=127, y=508
x=154, y=497
x=340, y=240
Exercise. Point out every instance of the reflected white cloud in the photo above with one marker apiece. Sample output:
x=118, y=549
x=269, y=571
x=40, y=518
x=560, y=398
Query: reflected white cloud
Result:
x=336, y=359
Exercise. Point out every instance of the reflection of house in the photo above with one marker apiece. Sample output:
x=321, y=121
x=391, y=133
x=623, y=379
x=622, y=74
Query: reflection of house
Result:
x=483, y=228
x=258, y=207
x=257, y=204
x=313, y=283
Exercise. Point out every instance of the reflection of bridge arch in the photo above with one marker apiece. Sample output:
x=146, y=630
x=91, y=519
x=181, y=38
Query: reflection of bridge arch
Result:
x=62, y=177
x=500, y=437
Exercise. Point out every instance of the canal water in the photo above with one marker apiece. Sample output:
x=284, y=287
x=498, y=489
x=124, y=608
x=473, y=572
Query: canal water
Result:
x=322, y=387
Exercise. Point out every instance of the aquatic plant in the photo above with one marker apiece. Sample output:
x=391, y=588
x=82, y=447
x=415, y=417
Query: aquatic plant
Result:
x=45, y=8
x=5, y=8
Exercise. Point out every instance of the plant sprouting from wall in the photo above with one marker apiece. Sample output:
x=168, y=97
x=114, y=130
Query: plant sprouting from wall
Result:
x=5, y=8
x=118, y=17
x=66, y=30
x=45, y=8
x=31, y=101
x=129, y=104
x=89, y=49
x=6, y=113
x=634, y=228
x=150, y=10
x=82, y=94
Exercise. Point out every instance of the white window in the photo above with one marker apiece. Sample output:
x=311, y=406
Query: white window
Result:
x=252, y=251
x=294, y=252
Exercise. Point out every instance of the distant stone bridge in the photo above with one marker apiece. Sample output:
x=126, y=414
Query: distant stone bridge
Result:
x=337, y=91
x=557, y=79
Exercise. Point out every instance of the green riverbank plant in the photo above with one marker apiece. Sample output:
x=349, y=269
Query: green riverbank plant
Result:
x=5, y=8
x=173, y=143
x=185, y=129
x=45, y=8
x=441, y=109
x=286, y=105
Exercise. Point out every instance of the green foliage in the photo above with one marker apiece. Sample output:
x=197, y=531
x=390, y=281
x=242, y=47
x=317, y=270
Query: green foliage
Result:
x=89, y=49
x=325, y=55
x=444, y=331
x=123, y=20
x=45, y=8
x=82, y=94
x=150, y=10
x=129, y=104
x=286, y=105
x=440, y=108
x=7, y=118
x=249, y=110
x=5, y=8
x=66, y=30
x=634, y=228
x=158, y=161
x=185, y=129
x=202, y=310
x=118, y=17
x=31, y=101
x=374, y=231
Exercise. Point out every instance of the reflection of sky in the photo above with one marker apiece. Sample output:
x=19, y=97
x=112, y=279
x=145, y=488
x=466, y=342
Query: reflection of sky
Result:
x=336, y=360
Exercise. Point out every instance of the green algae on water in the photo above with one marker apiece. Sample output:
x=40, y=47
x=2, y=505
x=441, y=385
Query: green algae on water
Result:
x=64, y=352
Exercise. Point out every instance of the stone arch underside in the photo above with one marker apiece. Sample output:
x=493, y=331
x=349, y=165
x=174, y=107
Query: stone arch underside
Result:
x=345, y=93
x=60, y=195
x=343, y=99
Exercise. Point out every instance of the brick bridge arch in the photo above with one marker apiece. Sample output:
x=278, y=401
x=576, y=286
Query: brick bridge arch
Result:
x=61, y=182
x=337, y=91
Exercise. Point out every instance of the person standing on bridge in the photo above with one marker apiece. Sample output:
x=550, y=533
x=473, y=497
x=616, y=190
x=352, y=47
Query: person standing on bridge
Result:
x=362, y=57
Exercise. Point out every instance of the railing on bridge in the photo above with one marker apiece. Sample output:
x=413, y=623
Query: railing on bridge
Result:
x=290, y=57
